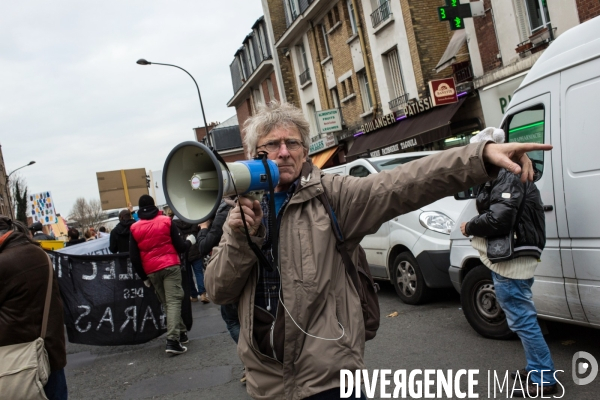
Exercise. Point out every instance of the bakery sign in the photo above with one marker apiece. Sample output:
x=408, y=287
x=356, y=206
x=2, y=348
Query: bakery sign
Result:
x=386, y=120
x=443, y=91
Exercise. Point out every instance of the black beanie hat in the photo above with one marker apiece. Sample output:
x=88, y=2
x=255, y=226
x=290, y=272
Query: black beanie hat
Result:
x=146, y=200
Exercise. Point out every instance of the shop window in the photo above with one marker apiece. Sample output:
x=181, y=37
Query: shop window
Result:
x=527, y=126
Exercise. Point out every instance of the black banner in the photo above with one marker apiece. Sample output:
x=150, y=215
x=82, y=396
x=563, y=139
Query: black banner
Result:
x=107, y=304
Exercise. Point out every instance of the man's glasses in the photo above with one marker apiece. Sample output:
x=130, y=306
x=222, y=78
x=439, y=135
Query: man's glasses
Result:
x=274, y=145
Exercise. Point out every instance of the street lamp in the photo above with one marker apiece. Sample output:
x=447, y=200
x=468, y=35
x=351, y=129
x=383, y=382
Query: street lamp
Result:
x=12, y=211
x=142, y=61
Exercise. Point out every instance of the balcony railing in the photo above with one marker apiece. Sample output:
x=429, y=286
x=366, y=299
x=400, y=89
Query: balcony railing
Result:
x=381, y=14
x=464, y=74
x=305, y=76
x=399, y=101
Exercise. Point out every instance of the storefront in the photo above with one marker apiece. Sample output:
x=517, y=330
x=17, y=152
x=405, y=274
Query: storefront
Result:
x=423, y=127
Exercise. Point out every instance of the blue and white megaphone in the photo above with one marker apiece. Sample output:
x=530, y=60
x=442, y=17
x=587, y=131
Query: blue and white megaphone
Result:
x=195, y=181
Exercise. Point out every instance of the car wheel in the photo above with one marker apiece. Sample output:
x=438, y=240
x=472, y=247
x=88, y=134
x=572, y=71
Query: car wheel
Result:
x=480, y=306
x=408, y=279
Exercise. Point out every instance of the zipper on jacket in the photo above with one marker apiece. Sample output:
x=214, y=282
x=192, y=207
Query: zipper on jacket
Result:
x=272, y=342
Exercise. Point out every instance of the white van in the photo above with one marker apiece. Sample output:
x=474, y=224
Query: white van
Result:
x=412, y=250
x=557, y=103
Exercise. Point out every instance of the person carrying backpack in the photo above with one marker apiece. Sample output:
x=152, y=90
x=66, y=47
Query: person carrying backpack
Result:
x=299, y=298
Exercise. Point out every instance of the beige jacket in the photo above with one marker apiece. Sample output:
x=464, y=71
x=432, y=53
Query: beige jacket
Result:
x=315, y=288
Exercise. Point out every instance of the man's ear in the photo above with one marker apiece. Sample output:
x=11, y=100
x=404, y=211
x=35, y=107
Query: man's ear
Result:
x=305, y=154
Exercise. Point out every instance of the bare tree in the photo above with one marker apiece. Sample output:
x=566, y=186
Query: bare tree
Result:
x=18, y=196
x=87, y=213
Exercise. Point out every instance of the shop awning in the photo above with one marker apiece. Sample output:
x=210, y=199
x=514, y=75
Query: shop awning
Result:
x=321, y=158
x=424, y=128
x=458, y=39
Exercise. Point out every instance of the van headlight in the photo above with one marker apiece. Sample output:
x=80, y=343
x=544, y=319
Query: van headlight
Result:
x=436, y=221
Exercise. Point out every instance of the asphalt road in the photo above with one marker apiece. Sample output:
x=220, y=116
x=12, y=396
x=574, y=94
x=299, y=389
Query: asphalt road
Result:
x=431, y=336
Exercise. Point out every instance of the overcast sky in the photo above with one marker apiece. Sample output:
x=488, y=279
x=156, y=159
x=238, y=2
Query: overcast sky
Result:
x=73, y=99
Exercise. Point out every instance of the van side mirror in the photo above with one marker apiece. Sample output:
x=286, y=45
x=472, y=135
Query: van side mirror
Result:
x=465, y=194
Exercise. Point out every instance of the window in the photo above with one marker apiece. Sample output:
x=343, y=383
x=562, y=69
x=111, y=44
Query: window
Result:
x=394, y=76
x=359, y=171
x=528, y=126
x=302, y=62
x=243, y=67
x=258, y=99
x=292, y=9
x=312, y=119
x=351, y=17
x=336, y=14
x=365, y=93
x=263, y=41
x=270, y=89
x=250, y=52
x=537, y=12
x=335, y=97
x=325, y=41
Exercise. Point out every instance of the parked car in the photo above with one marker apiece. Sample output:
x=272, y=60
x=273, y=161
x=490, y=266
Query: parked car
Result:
x=557, y=104
x=412, y=250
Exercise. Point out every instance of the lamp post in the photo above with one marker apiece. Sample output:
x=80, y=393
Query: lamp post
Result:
x=12, y=211
x=142, y=61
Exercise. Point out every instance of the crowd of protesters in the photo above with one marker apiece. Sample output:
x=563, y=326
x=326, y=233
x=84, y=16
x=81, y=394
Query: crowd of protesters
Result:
x=289, y=344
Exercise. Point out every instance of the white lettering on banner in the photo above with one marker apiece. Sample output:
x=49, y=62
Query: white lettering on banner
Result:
x=148, y=316
x=94, y=273
x=131, y=314
x=129, y=274
x=87, y=309
x=107, y=317
x=111, y=271
x=133, y=293
x=375, y=153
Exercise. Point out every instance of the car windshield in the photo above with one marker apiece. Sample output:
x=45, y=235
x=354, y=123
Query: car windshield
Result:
x=383, y=165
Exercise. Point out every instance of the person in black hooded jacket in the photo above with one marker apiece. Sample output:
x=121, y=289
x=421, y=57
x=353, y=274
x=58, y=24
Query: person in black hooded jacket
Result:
x=119, y=236
x=498, y=203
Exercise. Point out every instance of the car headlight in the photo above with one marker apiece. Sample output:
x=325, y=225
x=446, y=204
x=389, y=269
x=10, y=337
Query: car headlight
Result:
x=436, y=221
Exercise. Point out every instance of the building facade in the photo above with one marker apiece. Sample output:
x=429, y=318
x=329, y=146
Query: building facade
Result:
x=505, y=43
x=329, y=57
x=373, y=77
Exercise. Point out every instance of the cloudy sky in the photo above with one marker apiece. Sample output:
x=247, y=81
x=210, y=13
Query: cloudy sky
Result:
x=73, y=99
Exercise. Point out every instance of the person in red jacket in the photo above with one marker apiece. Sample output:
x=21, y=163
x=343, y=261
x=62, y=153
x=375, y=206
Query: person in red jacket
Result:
x=154, y=250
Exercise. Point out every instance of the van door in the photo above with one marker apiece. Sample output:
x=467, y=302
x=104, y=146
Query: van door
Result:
x=580, y=119
x=532, y=121
x=376, y=245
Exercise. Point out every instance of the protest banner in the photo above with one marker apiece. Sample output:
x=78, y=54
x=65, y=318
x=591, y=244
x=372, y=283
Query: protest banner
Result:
x=105, y=301
x=41, y=208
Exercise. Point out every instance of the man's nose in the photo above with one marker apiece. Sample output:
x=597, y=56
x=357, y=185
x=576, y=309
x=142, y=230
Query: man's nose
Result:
x=283, y=150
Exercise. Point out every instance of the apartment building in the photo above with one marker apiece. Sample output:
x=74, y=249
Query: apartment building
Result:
x=412, y=50
x=256, y=75
x=328, y=54
x=505, y=43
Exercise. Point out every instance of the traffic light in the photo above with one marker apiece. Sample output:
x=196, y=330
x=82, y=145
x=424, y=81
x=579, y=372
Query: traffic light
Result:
x=455, y=13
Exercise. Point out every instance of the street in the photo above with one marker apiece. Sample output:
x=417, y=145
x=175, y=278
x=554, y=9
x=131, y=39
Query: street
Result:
x=433, y=336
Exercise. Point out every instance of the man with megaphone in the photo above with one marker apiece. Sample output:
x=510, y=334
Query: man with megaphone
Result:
x=300, y=314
